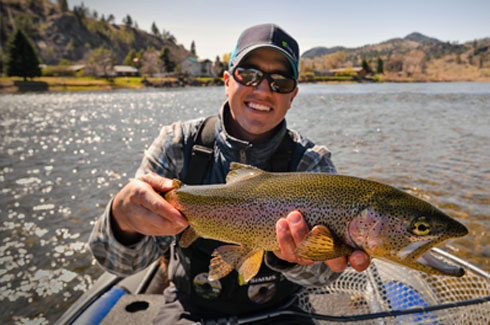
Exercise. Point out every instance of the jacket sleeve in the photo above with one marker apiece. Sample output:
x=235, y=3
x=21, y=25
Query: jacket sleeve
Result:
x=164, y=157
x=315, y=159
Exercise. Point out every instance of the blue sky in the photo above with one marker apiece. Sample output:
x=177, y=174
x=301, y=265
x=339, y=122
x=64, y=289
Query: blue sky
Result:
x=214, y=25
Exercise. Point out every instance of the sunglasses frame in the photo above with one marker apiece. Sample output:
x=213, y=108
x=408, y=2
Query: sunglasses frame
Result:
x=265, y=75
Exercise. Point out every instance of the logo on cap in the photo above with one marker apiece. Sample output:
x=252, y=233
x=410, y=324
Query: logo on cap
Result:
x=290, y=50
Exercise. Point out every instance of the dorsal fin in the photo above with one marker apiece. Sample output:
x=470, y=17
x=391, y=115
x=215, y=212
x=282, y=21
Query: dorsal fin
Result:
x=240, y=172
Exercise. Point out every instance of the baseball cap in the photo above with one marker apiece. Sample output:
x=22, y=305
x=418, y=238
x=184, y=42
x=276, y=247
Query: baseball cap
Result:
x=266, y=36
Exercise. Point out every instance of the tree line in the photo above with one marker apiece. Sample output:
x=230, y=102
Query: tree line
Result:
x=22, y=60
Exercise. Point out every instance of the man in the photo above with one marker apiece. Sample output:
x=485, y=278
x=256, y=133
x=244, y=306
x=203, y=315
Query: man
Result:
x=139, y=225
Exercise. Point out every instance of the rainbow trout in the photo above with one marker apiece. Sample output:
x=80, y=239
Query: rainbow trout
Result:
x=343, y=212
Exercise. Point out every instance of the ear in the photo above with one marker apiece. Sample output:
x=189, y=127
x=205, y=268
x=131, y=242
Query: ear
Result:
x=293, y=95
x=226, y=79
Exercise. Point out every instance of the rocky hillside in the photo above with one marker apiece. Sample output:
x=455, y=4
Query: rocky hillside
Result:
x=73, y=35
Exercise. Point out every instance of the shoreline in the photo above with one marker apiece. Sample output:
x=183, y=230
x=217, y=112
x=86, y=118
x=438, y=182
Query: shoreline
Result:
x=14, y=85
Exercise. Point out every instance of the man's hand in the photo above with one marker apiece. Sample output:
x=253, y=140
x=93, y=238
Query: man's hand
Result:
x=293, y=229
x=139, y=209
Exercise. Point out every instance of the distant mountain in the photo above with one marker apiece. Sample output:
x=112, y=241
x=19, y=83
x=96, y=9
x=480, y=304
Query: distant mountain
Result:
x=72, y=35
x=421, y=39
x=410, y=41
x=321, y=51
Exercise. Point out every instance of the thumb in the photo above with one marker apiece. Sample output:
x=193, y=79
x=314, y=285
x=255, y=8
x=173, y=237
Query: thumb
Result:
x=159, y=183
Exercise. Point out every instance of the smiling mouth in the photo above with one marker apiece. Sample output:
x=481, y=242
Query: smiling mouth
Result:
x=259, y=107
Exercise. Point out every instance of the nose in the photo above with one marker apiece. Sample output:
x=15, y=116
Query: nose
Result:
x=264, y=86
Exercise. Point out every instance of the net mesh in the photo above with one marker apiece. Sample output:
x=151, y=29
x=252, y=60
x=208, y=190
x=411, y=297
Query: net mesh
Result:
x=389, y=287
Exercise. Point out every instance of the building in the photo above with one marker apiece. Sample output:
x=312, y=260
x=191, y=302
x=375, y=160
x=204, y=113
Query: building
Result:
x=125, y=71
x=198, y=68
x=358, y=71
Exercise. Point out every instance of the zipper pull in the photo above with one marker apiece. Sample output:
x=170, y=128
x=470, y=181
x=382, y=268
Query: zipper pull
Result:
x=243, y=156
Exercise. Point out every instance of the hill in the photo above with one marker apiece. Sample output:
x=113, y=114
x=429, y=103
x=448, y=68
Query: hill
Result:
x=321, y=51
x=415, y=57
x=73, y=35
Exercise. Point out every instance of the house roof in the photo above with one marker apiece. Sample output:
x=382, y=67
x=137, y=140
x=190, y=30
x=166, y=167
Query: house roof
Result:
x=125, y=68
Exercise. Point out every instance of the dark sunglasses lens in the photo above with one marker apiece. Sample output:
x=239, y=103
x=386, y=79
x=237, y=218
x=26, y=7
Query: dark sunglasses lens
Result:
x=248, y=77
x=282, y=84
x=253, y=77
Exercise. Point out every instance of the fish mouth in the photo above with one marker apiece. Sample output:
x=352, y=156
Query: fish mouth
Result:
x=420, y=256
x=428, y=259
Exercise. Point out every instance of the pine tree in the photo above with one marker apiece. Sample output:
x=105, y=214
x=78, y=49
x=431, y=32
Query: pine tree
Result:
x=63, y=5
x=365, y=66
x=128, y=21
x=154, y=29
x=379, y=66
x=22, y=59
x=193, y=48
x=166, y=61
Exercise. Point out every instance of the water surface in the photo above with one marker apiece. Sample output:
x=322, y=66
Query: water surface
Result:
x=62, y=157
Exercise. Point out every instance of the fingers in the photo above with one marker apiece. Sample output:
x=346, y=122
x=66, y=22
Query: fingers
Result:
x=159, y=183
x=139, y=208
x=290, y=232
x=359, y=260
x=286, y=241
x=297, y=226
x=337, y=264
x=146, y=197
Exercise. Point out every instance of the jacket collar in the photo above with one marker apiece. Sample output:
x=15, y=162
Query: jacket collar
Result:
x=238, y=150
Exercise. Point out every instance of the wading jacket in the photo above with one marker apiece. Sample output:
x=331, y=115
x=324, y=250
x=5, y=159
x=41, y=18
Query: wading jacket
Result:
x=168, y=156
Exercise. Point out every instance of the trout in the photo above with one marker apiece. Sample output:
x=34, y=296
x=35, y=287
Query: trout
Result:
x=343, y=212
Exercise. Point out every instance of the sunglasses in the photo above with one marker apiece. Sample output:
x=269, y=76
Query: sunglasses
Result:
x=252, y=77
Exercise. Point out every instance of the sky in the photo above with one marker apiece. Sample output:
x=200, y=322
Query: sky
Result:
x=214, y=25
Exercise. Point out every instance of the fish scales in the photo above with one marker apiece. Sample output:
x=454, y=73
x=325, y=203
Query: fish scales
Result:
x=347, y=212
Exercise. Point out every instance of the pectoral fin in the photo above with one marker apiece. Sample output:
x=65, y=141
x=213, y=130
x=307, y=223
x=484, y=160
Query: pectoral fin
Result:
x=188, y=237
x=225, y=259
x=249, y=266
x=321, y=244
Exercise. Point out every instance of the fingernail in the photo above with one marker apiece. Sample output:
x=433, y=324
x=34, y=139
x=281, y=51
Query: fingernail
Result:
x=281, y=226
x=295, y=218
x=182, y=222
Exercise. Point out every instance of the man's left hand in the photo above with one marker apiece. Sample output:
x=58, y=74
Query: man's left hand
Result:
x=293, y=229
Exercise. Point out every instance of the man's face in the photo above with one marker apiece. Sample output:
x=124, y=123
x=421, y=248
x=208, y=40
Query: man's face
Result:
x=256, y=111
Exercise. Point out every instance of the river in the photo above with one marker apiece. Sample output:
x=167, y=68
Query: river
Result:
x=63, y=155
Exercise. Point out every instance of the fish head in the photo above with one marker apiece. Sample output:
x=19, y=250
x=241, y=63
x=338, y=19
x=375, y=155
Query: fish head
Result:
x=399, y=227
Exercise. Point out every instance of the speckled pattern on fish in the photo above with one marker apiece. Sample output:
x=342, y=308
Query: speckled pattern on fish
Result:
x=383, y=221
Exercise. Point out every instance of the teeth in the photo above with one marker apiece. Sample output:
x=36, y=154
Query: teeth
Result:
x=259, y=107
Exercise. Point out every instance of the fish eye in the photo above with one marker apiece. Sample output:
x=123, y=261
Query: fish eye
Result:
x=420, y=227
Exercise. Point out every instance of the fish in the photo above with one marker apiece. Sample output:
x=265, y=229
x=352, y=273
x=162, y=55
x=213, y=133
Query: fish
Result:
x=343, y=212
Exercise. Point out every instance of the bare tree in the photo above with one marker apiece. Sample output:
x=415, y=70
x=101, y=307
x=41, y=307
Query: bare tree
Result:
x=150, y=63
x=101, y=63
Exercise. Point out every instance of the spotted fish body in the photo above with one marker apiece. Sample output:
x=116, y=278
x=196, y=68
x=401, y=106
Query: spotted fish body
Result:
x=344, y=213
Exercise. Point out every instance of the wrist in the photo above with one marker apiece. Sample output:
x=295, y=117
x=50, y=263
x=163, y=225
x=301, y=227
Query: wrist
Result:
x=125, y=237
x=277, y=264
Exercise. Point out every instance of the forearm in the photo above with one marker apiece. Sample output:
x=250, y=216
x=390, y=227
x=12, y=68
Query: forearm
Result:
x=115, y=257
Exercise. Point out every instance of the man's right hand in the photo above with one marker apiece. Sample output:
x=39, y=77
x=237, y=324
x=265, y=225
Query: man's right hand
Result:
x=138, y=209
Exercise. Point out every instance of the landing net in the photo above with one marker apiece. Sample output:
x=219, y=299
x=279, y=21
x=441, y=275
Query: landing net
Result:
x=386, y=289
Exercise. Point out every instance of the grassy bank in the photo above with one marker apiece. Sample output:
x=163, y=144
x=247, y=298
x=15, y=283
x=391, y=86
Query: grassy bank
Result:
x=16, y=84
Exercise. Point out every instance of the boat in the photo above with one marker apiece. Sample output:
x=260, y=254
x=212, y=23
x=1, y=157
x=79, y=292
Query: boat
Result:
x=385, y=293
